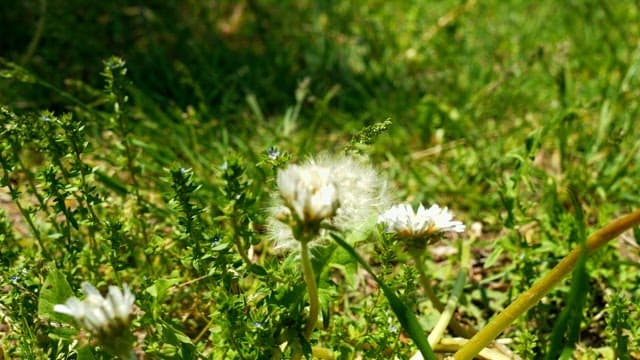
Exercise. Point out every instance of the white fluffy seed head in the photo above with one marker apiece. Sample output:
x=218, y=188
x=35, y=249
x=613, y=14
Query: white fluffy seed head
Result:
x=341, y=192
x=308, y=192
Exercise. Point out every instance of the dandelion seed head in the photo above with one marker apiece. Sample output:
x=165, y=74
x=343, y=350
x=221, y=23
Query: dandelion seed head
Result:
x=309, y=192
x=340, y=192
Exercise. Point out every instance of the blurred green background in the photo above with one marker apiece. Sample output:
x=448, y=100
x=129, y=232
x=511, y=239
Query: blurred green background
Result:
x=371, y=58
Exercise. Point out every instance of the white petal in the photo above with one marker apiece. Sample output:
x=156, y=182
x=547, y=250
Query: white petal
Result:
x=72, y=307
x=64, y=309
x=90, y=290
x=121, y=303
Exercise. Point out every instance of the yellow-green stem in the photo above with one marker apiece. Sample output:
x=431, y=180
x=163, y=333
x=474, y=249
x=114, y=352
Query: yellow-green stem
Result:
x=446, y=316
x=530, y=297
x=318, y=352
x=455, y=326
x=310, y=279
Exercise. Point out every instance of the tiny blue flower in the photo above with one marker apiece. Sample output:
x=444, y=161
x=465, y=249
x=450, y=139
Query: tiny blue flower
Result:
x=273, y=152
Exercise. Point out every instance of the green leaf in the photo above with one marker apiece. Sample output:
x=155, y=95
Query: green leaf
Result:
x=179, y=340
x=85, y=353
x=257, y=269
x=405, y=316
x=160, y=287
x=111, y=182
x=493, y=257
x=56, y=290
x=566, y=329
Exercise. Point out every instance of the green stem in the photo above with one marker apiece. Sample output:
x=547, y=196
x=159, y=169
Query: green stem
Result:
x=37, y=36
x=242, y=251
x=447, y=314
x=13, y=191
x=457, y=328
x=310, y=279
x=530, y=297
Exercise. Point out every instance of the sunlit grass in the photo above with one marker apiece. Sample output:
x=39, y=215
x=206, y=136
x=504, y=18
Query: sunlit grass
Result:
x=157, y=168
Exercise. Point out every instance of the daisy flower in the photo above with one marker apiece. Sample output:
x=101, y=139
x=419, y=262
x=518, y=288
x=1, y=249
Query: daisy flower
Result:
x=419, y=228
x=100, y=315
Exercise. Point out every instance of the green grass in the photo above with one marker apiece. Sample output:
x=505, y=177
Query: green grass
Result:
x=521, y=117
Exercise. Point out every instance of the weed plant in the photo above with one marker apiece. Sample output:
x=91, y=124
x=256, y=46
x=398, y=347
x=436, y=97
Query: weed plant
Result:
x=179, y=180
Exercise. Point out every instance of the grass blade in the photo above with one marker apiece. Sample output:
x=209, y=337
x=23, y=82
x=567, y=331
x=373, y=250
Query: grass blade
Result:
x=405, y=316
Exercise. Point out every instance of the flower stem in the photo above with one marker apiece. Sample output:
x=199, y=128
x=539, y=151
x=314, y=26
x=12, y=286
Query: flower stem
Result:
x=530, y=297
x=310, y=279
x=457, y=328
x=446, y=316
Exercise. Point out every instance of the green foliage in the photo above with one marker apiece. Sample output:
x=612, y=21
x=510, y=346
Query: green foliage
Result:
x=566, y=329
x=55, y=290
x=140, y=143
x=367, y=136
x=404, y=314
x=619, y=325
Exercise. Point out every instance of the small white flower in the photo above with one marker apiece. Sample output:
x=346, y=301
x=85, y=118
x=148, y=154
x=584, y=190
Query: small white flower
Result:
x=341, y=192
x=421, y=227
x=100, y=315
